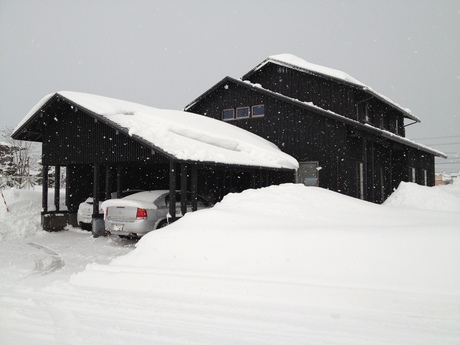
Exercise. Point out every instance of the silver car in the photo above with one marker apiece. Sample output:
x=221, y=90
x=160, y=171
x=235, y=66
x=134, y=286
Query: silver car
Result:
x=85, y=209
x=137, y=214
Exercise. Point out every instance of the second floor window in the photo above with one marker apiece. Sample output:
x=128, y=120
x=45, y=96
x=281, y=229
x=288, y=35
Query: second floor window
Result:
x=242, y=112
x=258, y=110
x=228, y=114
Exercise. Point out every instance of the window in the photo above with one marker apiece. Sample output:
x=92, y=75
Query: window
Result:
x=412, y=177
x=228, y=114
x=258, y=110
x=308, y=173
x=397, y=126
x=425, y=177
x=367, y=113
x=242, y=112
x=361, y=180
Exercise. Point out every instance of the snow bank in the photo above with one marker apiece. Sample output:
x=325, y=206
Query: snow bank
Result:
x=411, y=195
x=292, y=235
x=23, y=218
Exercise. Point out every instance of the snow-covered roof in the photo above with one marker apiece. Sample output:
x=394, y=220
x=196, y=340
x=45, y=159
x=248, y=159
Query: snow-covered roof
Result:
x=292, y=61
x=181, y=135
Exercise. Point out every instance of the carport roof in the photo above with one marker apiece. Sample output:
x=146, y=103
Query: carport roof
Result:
x=179, y=135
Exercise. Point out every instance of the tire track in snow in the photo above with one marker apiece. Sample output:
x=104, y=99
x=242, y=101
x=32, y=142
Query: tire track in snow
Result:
x=42, y=268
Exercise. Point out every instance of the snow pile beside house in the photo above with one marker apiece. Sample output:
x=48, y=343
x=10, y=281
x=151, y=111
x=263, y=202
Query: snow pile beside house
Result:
x=440, y=198
x=293, y=236
x=23, y=218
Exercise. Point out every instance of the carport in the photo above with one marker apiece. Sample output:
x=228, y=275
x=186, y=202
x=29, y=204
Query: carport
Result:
x=108, y=145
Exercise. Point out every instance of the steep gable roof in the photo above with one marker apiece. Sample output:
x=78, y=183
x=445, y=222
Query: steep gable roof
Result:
x=176, y=134
x=294, y=62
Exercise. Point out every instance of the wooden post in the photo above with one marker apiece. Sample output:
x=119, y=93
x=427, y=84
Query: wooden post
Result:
x=365, y=169
x=45, y=189
x=98, y=228
x=172, y=190
x=119, y=180
x=57, y=186
x=108, y=182
x=194, y=187
x=96, y=190
x=183, y=189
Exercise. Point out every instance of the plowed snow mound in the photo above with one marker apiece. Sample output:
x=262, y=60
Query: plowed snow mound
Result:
x=411, y=195
x=23, y=217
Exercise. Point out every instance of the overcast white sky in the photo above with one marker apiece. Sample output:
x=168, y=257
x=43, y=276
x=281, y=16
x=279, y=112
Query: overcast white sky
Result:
x=166, y=53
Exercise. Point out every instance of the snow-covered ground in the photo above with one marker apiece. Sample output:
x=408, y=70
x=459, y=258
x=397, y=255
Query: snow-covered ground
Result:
x=280, y=265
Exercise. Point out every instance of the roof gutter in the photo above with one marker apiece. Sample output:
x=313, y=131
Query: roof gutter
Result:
x=410, y=124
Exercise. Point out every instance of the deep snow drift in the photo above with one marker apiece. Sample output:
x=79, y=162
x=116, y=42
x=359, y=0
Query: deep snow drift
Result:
x=280, y=265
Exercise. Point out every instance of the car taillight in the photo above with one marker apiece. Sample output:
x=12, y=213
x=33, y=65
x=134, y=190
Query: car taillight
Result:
x=141, y=213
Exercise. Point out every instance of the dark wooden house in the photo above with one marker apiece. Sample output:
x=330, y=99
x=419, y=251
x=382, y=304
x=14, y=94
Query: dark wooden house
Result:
x=108, y=146
x=346, y=137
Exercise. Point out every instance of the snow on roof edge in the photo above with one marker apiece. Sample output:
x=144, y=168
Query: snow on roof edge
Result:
x=32, y=111
x=184, y=135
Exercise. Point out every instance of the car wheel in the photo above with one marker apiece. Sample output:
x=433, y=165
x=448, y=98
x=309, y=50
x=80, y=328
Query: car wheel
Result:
x=162, y=224
x=86, y=227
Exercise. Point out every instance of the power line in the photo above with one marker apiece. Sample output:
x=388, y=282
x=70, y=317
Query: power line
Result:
x=446, y=137
x=440, y=144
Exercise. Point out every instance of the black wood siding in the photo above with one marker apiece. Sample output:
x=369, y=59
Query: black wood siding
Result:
x=327, y=94
x=339, y=148
x=74, y=137
x=333, y=95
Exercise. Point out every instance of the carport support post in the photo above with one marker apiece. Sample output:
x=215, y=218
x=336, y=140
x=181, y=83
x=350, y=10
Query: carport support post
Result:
x=172, y=190
x=44, y=190
x=183, y=188
x=119, y=180
x=194, y=187
x=44, y=197
x=97, y=219
x=57, y=186
x=108, y=182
